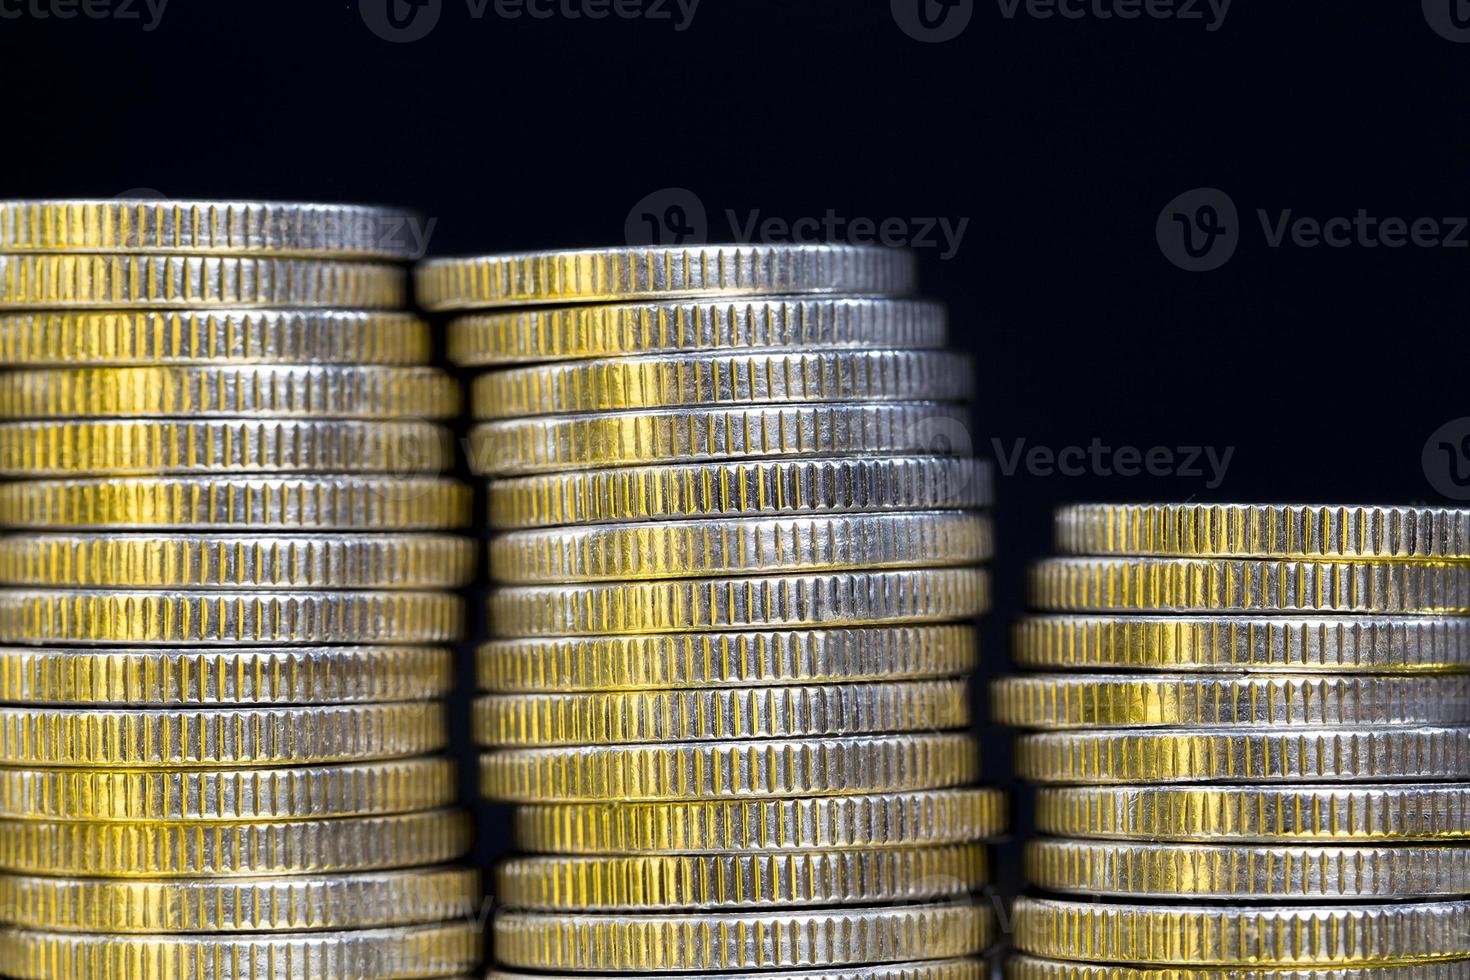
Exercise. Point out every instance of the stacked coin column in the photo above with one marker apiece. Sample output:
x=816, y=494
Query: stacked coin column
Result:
x=736, y=585
x=1253, y=745
x=224, y=599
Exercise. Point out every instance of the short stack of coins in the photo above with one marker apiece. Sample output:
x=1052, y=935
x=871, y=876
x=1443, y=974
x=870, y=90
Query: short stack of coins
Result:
x=1252, y=744
x=224, y=599
x=737, y=574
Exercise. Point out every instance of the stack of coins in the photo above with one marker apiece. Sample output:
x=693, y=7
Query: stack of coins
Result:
x=1254, y=744
x=228, y=575
x=737, y=582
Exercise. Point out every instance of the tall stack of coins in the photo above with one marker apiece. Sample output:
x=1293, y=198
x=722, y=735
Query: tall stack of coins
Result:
x=737, y=576
x=224, y=599
x=1253, y=746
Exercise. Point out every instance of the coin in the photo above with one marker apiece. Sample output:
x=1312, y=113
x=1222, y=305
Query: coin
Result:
x=284, y=503
x=741, y=546
x=740, y=941
x=1350, y=814
x=623, y=274
x=125, y=281
x=763, y=488
x=308, y=618
x=213, y=227
x=1252, y=936
x=1341, y=644
x=952, y=969
x=518, y=447
x=189, y=391
x=274, y=904
x=674, y=327
x=1264, y=531
x=601, y=718
x=149, y=447
x=746, y=378
x=716, y=660
x=230, y=795
x=230, y=561
x=864, y=821
x=732, y=770
x=1032, y=968
x=190, y=850
x=151, y=338
x=188, y=738
x=1242, y=871
x=1262, y=755
x=740, y=881
x=403, y=953
x=1238, y=585
x=1207, y=700
x=244, y=676
x=784, y=601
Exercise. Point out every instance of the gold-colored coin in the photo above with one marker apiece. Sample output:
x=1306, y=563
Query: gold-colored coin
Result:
x=414, y=953
x=775, y=601
x=762, y=488
x=231, y=676
x=124, y=281
x=1264, y=531
x=654, y=272
x=674, y=327
x=747, y=378
x=1245, y=871
x=210, y=227
x=716, y=942
x=1208, y=700
x=228, y=795
x=741, y=546
x=1235, y=755
x=149, y=447
x=194, y=850
x=188, y=391
x=717, y=660
x=218, y=737
x=284, y=503
x=613, y=717
x=275, y=904
x=95, y=616
x=150, y=338
x=1251, y=936
x=741, y=881
x=526, y=446
x=1230, y=585
x=730, y=770
x=952, y=969
x=867, y=821
x=234, y=561
x=1033, y=968
x=1336, y=644
x=1325, y=814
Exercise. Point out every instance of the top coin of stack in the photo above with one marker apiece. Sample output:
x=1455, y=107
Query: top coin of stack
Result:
x=226, y=598
x=1247, y=704
x=737, y=569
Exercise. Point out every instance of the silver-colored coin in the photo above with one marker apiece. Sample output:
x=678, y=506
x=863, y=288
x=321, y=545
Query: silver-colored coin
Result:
x=1034, y=968
x=952, y=969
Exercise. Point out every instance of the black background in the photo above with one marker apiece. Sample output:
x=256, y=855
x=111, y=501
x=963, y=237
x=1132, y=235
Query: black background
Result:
x=1059, y=140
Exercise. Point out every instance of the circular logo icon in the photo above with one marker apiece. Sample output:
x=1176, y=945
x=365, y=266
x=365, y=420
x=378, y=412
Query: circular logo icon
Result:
x=1450, y=19
x=401, y=21
x=933, y=21
x=1446, y=459
x=1199, y=230
x=671, y=216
